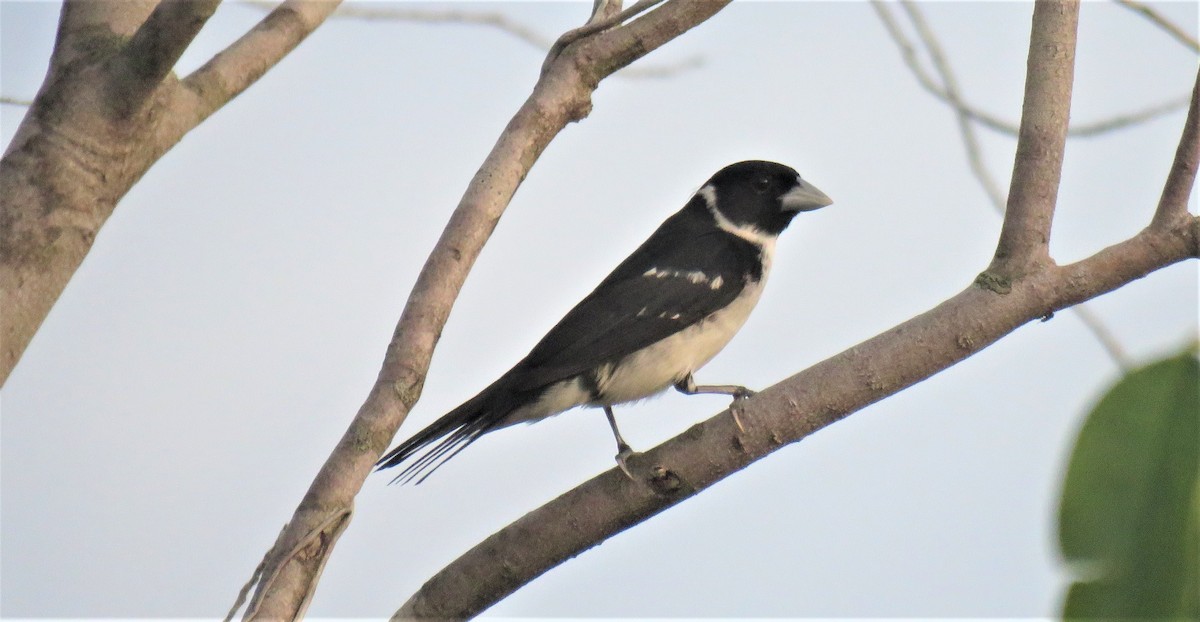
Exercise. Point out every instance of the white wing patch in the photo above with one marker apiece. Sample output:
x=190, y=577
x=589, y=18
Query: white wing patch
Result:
x=695, y=276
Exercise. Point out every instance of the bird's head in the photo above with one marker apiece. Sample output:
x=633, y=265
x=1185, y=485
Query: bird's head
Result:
x=760, y=197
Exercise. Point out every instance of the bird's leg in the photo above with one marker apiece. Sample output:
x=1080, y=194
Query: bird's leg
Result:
x=688, y=386
x=623, y=449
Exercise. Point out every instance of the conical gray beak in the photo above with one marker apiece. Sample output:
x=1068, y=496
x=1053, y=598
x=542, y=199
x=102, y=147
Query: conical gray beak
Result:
x=804, y=197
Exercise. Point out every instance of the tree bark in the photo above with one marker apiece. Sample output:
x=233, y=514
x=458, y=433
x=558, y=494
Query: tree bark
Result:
x=109, y=108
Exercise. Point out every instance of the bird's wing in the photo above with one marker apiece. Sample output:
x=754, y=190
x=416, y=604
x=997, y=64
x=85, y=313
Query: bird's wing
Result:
x=667, y=285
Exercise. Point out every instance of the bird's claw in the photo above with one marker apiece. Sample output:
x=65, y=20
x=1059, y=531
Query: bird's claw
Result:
x=623, y=454
x=742, y=393
x=737, y=420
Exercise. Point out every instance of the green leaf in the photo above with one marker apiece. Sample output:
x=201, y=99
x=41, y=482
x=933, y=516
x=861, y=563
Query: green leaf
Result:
x=1129, y=519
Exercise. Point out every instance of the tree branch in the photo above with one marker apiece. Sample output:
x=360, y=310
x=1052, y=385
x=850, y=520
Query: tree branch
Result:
x=90, y=30
x=235, y=68
x=1033, y=192
x=1175, y=31
x=951, y=94
x=780, y=415
x=908, y=54
x=1172, y=206
x=496, y=20
x=561, y=95
x=94, y=129
x=154, y=49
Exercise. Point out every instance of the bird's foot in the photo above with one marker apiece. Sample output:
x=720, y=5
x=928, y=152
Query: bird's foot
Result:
x=742, y=393
x=739, y=394
x=623, y=454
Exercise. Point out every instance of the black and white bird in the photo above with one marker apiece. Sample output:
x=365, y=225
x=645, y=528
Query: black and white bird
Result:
x=668, y=309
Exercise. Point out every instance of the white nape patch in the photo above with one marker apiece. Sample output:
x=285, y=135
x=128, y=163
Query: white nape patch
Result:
x=750, y=233
x=709, y=194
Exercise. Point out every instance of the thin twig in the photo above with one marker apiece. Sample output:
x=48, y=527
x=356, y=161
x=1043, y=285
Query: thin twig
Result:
x=1103, y=335
x=909, y=55
x=13, y=101
x=953, y=95
x=491, y=19
x=1161, y=22
x=1126, y=120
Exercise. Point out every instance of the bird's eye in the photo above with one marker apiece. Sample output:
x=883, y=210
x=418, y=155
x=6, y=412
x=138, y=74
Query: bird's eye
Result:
x=761, y=184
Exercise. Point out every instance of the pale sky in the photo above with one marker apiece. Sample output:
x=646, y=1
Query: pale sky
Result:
x=231, y=316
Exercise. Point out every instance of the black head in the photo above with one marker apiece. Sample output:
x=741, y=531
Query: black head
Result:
x=759, y=195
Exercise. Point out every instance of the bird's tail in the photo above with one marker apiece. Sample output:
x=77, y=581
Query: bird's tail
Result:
x=442, y=439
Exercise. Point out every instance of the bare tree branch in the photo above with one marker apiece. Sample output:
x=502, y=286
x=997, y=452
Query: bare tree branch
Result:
x=1104, y=336
x=1162, y=22
x=499, y=21
x=1122, y=121
x=802, y=404
x=561, y=95
x=369, y=12
x=235, y=68
x=1172, y=206
x=1033, y=192
x=154, y=49
x=93, y=130
x=14, y=101
x=953, y=96
x=908, y=53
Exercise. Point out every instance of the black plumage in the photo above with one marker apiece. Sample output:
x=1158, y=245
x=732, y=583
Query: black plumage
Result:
x=661, y=314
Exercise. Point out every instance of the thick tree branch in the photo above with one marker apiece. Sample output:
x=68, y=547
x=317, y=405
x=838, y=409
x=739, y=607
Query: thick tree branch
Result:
x=1172, y=206
x=561, y=95
x=89, y=30
x=154, y=49
x=93, y=130
x=1033, y=192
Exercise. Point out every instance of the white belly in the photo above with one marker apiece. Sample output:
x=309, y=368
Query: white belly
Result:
x=668, y=361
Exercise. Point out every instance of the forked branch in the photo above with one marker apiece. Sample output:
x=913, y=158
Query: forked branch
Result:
x=561, y=95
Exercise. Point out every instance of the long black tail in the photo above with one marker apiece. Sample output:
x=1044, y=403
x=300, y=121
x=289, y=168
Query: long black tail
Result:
x=448, y=435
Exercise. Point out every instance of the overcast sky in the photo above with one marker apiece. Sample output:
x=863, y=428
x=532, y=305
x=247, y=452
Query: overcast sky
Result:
x=233, y=313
